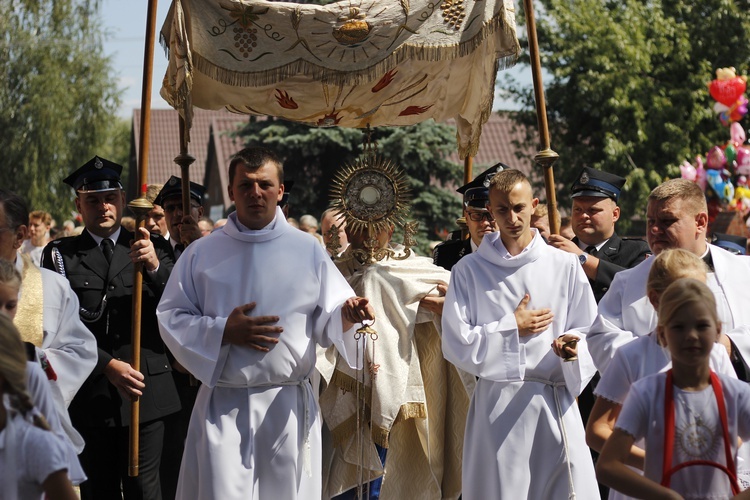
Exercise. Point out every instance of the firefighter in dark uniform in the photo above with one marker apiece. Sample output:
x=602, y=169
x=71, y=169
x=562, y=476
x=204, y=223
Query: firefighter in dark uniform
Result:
x=183, y=229
x=732, y=243
x=600, y=250
x=99, y=265
x=477, y=218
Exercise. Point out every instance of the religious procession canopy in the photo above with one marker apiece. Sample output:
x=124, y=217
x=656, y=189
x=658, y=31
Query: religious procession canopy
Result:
x=352, y=63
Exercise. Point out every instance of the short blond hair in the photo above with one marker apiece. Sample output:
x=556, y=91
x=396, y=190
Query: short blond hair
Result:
x=541, y=210
x=506, y=180
x=152, y=191
x=671, y=265
x=684, y=190
x=686, y=291
x=43, y=216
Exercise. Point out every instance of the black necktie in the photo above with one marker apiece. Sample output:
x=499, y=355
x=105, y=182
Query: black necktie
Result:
x=709, y=261
x=108, y=249
x=179, y=247
x=591, y=250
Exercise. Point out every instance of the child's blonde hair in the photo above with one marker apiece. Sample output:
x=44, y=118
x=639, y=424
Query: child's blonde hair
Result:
x=686, y=291
x=671, y=265
x=9, y=275
x=13, y=372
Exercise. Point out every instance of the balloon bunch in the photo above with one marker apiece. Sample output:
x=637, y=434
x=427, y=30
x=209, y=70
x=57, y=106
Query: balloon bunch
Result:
x=728, y=90
x=725, y=175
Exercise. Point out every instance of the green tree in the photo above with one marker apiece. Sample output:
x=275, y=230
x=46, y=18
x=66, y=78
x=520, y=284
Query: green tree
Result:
x=57, y=97
x=626, y=82
x=312, y=156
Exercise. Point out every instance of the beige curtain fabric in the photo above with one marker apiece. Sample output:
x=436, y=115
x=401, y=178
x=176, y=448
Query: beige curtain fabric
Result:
x=352, y=63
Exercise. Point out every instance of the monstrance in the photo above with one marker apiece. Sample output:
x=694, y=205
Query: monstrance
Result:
x=372, y=196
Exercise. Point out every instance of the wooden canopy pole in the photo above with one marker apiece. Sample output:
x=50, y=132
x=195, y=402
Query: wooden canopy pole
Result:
x=546, y=157
x=140, y=208
x=468, y=167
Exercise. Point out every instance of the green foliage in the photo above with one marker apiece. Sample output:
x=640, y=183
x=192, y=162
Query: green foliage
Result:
x=313, y=155
x=625, y=85
x=57, y=97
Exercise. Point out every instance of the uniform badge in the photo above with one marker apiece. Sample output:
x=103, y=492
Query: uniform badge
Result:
x=98, y=163
x=488, y=177
x=584, y=178
x=172, y=181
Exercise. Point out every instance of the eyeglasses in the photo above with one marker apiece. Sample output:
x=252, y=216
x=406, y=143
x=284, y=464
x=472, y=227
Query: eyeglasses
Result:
x=480, y=216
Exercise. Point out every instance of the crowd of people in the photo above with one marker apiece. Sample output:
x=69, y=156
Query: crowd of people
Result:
x=501, y=367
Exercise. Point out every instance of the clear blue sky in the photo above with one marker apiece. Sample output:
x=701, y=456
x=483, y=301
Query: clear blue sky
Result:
x=125, y=24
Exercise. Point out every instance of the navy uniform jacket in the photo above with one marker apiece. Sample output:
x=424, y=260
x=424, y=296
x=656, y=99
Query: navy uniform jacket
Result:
x=447, y=253
x=617, y=254
x=98, y=402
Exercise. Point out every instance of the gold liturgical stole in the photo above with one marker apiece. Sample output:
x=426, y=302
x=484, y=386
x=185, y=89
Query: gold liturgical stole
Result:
x=30, y=315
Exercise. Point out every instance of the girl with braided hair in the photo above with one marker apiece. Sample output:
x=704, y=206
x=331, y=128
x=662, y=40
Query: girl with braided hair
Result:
x=33, y=461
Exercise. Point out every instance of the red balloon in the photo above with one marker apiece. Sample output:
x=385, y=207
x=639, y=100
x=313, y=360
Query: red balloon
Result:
x=727, y=91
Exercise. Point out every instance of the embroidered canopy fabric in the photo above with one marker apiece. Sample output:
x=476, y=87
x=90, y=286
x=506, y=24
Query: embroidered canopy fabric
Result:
x=352, y=63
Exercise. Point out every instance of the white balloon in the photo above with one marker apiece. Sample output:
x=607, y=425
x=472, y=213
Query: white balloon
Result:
x=720, y=108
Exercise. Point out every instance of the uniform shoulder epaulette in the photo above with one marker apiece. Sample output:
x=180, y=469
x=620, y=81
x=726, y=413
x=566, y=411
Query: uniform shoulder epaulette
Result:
x=62, y=242
x=448, y=245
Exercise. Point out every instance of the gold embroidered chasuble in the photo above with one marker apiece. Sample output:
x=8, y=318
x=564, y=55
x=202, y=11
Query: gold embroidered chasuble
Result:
x=418, y=400
x=30, y=315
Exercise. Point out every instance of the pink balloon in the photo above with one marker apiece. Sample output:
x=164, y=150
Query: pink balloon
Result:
x=700, y=173
x=741, y=108
x=716, y=159
x=743, y=161
x=737, y=133
x=687, y=171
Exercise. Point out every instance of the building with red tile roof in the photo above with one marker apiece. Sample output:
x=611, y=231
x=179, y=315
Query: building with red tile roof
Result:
x=213, y=144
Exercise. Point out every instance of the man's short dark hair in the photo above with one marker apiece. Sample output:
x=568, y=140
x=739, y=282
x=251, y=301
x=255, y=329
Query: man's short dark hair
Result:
x=15, y=208
x=253, y=159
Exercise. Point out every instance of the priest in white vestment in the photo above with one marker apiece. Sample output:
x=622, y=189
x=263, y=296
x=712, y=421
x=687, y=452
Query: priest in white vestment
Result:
x=243, y=311
x=677, y=218
x=511, y=313
x=418, y=400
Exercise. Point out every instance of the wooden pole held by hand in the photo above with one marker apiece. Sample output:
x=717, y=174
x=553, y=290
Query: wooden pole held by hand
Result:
x=140, y=207
x=546, y=157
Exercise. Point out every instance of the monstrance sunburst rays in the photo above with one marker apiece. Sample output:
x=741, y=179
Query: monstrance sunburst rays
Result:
x=371, y=194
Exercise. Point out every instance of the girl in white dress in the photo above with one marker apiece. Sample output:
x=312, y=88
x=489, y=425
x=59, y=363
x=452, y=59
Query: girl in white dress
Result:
x=33, y=461
x=645, y=356
x=689, y=417
x=39, y=372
